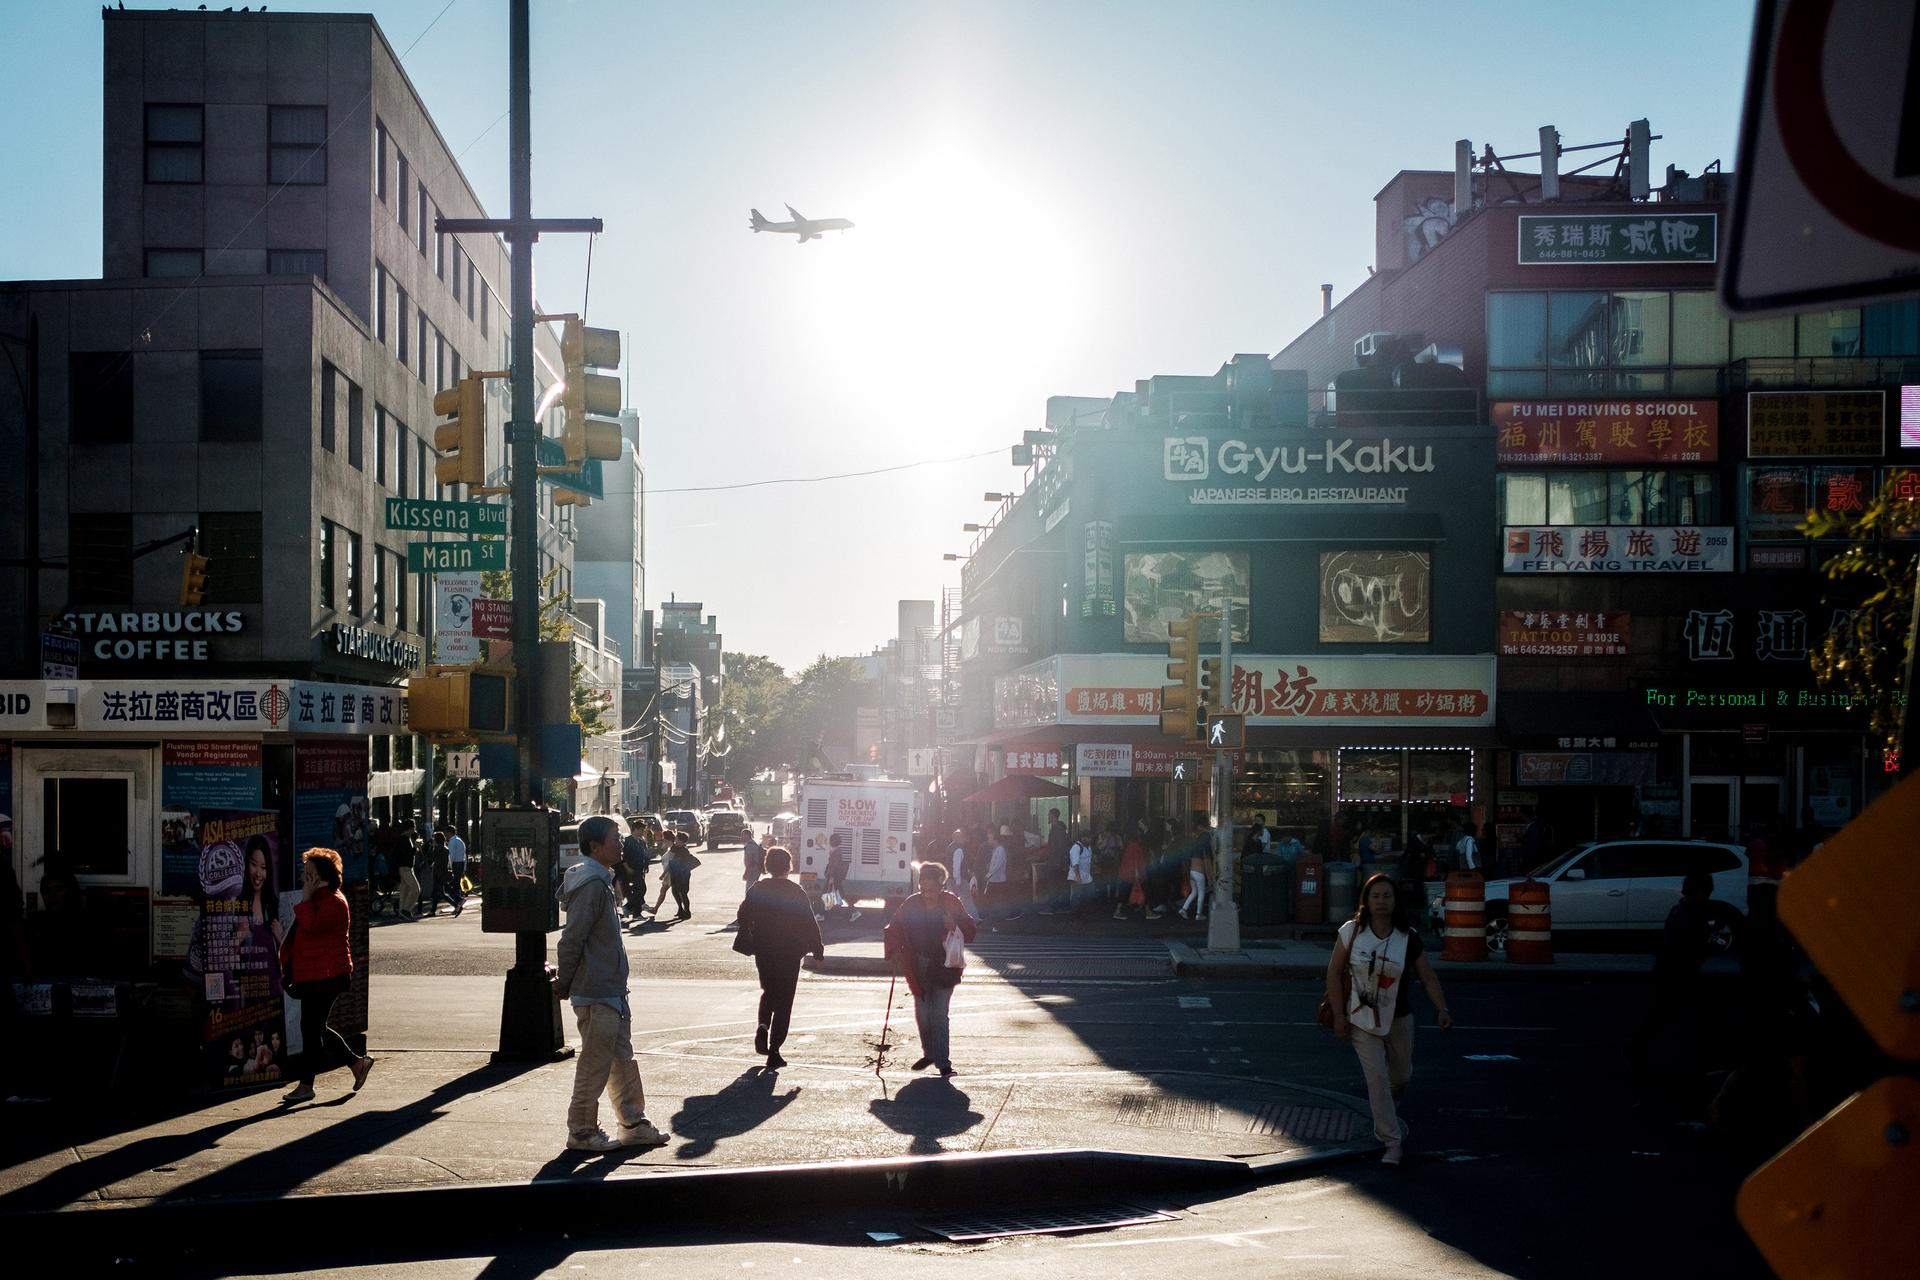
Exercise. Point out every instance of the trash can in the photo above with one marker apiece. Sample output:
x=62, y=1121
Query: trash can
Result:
x=1309, y=889
x=1264, y=889
x=1343, y=889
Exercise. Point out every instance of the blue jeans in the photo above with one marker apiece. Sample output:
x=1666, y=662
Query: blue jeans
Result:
x=930, y=1013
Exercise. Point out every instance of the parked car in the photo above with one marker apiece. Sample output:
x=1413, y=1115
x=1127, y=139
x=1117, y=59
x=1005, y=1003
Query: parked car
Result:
x=727, y=826
x=1614, y=887
x=685, y=820
x=649, y=827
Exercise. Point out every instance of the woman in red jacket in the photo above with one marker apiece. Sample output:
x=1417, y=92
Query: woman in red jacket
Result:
x=320, y=969
x=916, y=939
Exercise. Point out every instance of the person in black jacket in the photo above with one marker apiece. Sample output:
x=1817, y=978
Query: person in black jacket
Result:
x=777, y=927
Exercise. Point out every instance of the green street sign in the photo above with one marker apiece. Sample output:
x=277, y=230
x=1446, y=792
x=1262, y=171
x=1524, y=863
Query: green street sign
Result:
x=456, y=557
x=446, y=517
x=585, y=479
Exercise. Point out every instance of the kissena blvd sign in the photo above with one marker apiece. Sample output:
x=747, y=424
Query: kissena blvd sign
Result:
x=1200, y=460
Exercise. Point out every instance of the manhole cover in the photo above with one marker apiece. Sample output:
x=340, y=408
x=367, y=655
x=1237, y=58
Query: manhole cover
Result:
x=1159, y=1111
x=1308, y=1124
x=1044, y=1222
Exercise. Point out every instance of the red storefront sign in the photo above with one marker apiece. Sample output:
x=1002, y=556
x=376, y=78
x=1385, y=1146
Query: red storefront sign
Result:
x=1561, y=634
x=1535, y=431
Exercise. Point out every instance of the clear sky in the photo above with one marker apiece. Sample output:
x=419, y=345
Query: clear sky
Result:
x=1052, y=199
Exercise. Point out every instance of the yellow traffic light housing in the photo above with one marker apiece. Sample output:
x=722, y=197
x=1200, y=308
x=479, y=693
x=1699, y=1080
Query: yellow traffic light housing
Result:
x=1213, y=694
x=570, y=498
x=193, y=578
x=1180, y=704
x=463, y=441
x=461, y=704
x=586, y=393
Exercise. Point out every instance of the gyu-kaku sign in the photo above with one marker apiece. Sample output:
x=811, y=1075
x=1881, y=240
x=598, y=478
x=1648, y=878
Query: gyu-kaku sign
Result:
x=446, y=517
x=457, y=557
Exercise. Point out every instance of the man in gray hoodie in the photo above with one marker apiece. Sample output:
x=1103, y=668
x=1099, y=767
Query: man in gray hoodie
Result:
x=593, y=977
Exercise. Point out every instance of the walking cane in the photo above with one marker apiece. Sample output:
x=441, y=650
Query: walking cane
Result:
x=880, y=1055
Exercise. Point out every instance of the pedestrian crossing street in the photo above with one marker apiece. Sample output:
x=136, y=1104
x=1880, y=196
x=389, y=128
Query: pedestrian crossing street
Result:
x=1027, y=955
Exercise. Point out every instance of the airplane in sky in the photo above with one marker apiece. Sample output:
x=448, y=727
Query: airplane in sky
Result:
x=806, y=229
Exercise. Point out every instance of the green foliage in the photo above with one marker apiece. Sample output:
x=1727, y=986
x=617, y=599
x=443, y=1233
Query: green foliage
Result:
x=556, y=623
x=1867, y=658
x=772, y=720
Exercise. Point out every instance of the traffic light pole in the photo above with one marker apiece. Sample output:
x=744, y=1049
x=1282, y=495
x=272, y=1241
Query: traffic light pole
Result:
x=1223, y=914
x=530, y=1016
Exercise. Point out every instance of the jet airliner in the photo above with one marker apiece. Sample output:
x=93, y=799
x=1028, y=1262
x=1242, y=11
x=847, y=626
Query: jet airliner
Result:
x=806, y=228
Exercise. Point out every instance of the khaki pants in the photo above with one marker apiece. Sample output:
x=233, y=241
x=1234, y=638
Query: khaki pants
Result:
x=1387, y=1062
x=409, y=889
x=604, y=1064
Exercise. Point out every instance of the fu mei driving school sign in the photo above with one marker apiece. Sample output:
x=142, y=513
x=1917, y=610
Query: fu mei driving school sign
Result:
x=1535, y=431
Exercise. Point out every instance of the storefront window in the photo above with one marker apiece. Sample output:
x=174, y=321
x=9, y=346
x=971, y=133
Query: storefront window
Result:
x=1506, y=384
x=1830, y=333
x=1696, y=497
x=84, y=825
x=1640, y=328
x=1577, y=330
x=1699, y=329
x=1523, y=498
x=1292, y=789
x=1577, y=497
x=1772, y=336
x=1609, y=497
x=1517, y=330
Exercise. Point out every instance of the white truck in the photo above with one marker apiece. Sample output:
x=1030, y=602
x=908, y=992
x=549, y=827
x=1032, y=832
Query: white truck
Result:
x=875, y=819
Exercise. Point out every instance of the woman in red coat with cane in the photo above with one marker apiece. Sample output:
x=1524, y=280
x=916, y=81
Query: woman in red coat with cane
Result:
x=916, y=939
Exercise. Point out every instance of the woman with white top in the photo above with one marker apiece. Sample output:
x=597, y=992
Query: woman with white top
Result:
x=1367, y=990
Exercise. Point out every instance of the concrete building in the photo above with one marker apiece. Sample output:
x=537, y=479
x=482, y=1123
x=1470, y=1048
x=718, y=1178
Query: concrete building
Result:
x=691, y=656
x=258, y=362
x=610, y=563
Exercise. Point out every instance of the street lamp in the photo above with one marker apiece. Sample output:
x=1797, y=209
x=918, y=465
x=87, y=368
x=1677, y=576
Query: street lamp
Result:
x=950, y=556
x=991, y=496
x=969, y=528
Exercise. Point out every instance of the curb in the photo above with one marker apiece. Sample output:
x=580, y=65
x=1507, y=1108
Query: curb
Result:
x=866, y=966
x=492, y=1214
x=1191, y=963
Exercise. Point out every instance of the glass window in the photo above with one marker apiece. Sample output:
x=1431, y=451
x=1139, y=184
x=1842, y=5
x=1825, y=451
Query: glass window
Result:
x=380, y=159
x=1695, y=497
x=1696, y=382
x=380, y=304
x=1517, y=330
x=353, y=573
x=1634, y=382
x=1699, y=328
x=473, y=280
x=1577, y=497
x=328, y=546
x=83, y=821
x=439, y=249
x=421, y=586
x=297, y=145
x=174, y=263
x=297, y=262
x=1640, y=328
x=420, y=332
x=379, y=585
x=100, y=558
x=1891, y=328
x=424, y=226
x=486, y=301
x=400, y=591
x=230, y=540
x=176, y=137
x=1506, y=384
x=1830, y=333
x=420, y=472
x=1772, y=336
x=329, y=408
x=401, y=318
x=1523, y=498
x=400, y=205
x=1577, y=330
x=439, y=361
x=1595, y=383
x=100, y=397
x=1639, y=497
x=402, y=445
x=379, y=444
x=356, y=455
x=230, y=395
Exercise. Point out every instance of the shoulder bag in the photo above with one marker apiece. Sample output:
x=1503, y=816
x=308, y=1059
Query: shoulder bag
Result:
x=1324, y=1014
x=286, y=955
x=743, y=941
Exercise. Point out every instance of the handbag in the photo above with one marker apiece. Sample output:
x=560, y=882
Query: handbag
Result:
x=743, y=941
x=286, y=956
x=1324, y=1014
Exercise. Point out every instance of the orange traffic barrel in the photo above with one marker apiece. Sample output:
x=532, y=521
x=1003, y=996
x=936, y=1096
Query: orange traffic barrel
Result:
x=1466, y=923
x=1529, y=922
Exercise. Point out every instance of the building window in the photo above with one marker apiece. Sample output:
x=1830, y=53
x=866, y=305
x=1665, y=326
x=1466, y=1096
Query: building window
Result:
x=329, y=408
x=297, y=145
x=400, y=324
x=456, y=271
x=380, y=304
x=454, y=358
x=400, y=591
x=1597, y=497
x=401, y=437
x=379, y=585
x=1699, y=329
x=380, y=160
x=486, y=300
x=421, y=334
x=354, y=599
x=420, y=472
x=1517, y=330
x=1639, y=325
x=1891, y=329
x=400, y=204
x=439, y=361
x=379, y=445
x=100, y=558
x=439, y=248
x=1830, y=333
x=423, y=227
x=422, y=585
x=230, y=540
x=173, y=264
x=1754, y=339
x=100, y=397
x=356, y=451
x=230, y=396
x=297, y=262
x=329, y=542
x=473, y=282
x=176, y=142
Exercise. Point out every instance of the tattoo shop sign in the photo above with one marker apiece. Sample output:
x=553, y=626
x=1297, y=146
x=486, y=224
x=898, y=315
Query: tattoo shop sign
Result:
x=1617, y=549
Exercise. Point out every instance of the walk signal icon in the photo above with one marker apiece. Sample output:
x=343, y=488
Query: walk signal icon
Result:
x=1227, y=732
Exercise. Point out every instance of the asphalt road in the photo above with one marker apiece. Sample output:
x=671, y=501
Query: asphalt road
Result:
x=1525, y=1156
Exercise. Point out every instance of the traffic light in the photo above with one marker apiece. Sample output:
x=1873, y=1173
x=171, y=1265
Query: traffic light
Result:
x=460, y=704
x=589, y=393
x=462, y=442
x=1213, y=694
x=570, y=498
x=193, y=578
x=1180, y=705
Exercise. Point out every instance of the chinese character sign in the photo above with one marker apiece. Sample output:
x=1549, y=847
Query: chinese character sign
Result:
x=1814, y=424
x=1618, y=549
x=1096, y=596
x=1563, y=633
x=1535, y=431
x=1558, y=239
x=1777, y=501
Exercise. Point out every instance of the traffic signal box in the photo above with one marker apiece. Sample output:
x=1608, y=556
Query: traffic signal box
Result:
x=461, y=704
x=1840, y=1200
x=1181, y=708
x=462, y=442
x=589, y=393
x=193, y=578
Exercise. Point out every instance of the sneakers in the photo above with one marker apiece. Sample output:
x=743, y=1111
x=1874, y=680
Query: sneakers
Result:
x=760, y=1039
x=1154, y=913
x=853, y=917
x=598, y=1140
x=921, y=1065
x=360, y=1071
x=775, y=1061
x=642, y=1135
x=946, y=1071
x=302, y=1094
x=1392, y=1157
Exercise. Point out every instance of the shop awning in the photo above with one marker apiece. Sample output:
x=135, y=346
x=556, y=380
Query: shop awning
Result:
x=1016, y=786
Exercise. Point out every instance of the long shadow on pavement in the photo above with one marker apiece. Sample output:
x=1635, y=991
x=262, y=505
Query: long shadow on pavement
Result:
x=927, y=1110
x=745, y=1104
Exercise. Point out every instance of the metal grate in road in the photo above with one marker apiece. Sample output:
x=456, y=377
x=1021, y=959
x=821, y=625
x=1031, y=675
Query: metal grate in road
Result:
x=1163, y=1111
x=1308, y=1124
x=1044, y=1222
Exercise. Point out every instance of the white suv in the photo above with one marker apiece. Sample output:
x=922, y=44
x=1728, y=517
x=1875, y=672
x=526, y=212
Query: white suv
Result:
x=1627, y=886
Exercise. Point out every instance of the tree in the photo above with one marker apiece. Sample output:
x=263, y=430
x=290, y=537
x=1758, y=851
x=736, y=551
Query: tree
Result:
x=1867, y=657
x=588, y=705
x=752, y=707
x=819, y=724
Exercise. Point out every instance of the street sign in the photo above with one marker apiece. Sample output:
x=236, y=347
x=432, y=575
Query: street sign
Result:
x=463, y=764
x=492, y=619
x=1226, y=732
x=583, y=479
x=1826, y=197
x=429, y=515
x=59, y=656
x=456, y=557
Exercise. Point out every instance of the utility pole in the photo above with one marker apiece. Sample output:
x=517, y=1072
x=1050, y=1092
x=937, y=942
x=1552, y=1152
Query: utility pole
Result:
x=530, y=1016
x=1223, y=914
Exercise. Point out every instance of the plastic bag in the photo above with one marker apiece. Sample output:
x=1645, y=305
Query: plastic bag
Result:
x=956, y=944
x=832, y=900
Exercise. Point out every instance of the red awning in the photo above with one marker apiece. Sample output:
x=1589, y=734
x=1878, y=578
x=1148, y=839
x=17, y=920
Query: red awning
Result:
x=1016, y=786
